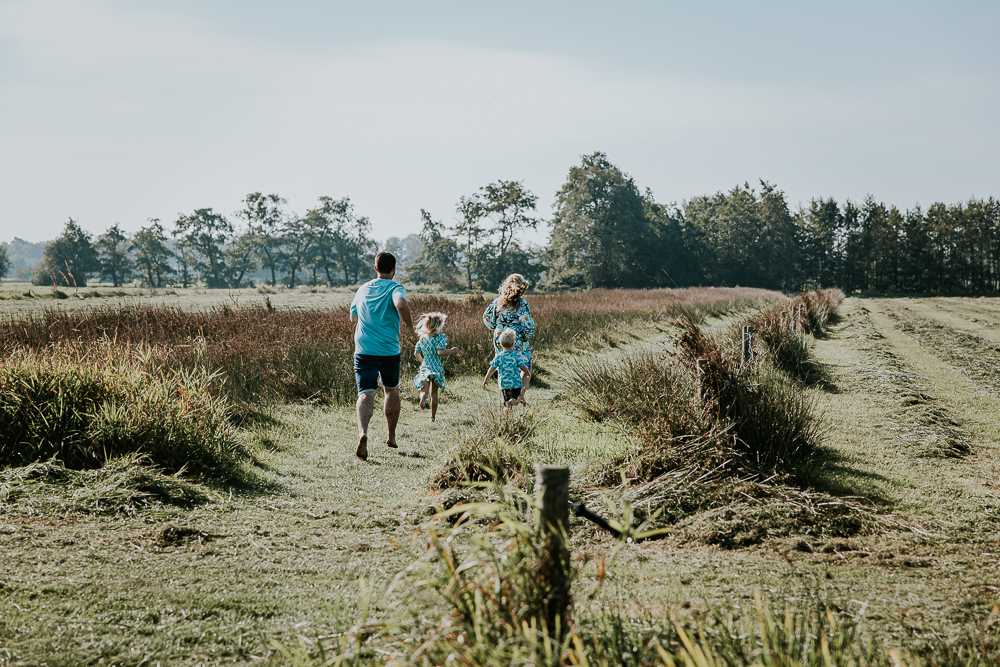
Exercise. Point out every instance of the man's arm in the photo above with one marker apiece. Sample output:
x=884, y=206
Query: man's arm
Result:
x=404, y=312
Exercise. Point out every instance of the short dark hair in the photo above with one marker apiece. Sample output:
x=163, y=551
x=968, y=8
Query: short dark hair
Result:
x=385, y=262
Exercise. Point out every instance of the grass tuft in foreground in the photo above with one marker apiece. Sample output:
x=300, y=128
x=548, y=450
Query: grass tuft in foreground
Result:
x=486, y=607
x=492, y=448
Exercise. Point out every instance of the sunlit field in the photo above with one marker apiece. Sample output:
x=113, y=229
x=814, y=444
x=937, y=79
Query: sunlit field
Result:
x=178, y=485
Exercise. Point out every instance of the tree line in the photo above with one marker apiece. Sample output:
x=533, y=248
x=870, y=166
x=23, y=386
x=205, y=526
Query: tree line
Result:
x=604, y=232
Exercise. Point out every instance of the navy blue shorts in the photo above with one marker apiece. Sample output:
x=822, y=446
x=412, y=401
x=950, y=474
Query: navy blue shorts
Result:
x=369, y=367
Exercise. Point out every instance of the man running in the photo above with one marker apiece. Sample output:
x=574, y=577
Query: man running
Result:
x=376, y=310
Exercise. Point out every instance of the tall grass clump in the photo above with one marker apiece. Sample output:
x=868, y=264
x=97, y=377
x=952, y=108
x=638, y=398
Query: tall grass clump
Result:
x=84, y=408
x=770, y=418
x=750, y=420
x=492, y=448
x=783, y=330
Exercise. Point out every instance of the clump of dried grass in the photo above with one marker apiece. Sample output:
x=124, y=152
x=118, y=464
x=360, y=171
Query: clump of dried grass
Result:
x=492, y=448
x=126, y=485
x=705, y=428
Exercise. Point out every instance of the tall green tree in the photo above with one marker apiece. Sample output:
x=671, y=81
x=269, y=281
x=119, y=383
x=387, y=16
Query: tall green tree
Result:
x=152, y=254
x=820, y=232
x=240, y=257
x=751, y=237
x=112, y=250
x=491, y=220
x=69, y=260
x=265, y=220
x=469, y=236
x=356, y=247
x=327, y=225
x=600, y=233
x=438, y=261
x=676, y=253
x=206, y=233
x=296, y=247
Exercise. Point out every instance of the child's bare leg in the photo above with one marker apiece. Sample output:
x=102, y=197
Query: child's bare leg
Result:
x=423, y=396
x=434, y=400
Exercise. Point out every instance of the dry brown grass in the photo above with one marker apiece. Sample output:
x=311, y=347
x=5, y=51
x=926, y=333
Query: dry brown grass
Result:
x=262, y=354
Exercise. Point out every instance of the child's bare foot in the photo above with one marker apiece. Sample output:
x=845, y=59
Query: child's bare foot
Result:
x=392, y=444
x=509, y=404
x=362, y=451
x=522, y=401
x=432, y=420
x=421, y=402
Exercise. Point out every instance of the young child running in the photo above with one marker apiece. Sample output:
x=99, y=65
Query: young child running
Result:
x=509, y=364
x=431, y=346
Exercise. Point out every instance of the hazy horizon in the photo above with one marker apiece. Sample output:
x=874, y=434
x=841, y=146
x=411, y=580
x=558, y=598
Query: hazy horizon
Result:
x=116, y=112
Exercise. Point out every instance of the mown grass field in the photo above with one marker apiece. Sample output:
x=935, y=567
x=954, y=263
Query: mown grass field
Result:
x=307, y=542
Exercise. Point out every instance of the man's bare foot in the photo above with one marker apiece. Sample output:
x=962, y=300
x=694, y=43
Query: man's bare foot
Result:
x=362, y=451
x=392, y=444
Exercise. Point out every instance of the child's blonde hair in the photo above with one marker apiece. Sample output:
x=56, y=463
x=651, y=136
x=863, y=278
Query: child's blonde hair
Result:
x=507, y=338
x=430, y=324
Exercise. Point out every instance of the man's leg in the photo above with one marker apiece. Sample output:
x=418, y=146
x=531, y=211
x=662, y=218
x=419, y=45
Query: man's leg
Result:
x=391, y=414
x=366, y=406
x=389, y=371
x=366, y=375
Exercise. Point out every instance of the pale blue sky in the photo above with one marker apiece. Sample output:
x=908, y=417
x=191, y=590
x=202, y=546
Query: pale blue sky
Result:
x=120, y=111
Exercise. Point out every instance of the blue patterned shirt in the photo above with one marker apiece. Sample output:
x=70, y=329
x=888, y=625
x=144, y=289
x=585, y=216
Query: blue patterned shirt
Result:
x=508, y=364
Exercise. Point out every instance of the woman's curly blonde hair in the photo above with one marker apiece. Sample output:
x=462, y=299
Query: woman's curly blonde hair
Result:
x=511, y=290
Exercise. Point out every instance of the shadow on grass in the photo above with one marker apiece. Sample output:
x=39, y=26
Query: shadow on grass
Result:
x=830, y=472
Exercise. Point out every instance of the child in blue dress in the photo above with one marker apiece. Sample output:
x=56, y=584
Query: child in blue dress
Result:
x=511, y=366
x=431, y=346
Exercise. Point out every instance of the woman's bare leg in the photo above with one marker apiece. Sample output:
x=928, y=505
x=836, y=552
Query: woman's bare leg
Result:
x=434, y=400
x=525, y=380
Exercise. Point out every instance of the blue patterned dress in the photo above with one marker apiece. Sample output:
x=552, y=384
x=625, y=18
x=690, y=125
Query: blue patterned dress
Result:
x=497, y=318
x=430, y=368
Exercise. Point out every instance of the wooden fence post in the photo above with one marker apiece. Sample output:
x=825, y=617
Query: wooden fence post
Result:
x=748, y=333
x=699, y=365
x=552, y=483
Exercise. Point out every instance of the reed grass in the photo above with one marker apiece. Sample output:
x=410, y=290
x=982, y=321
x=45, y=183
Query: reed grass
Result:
x=87, y=406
